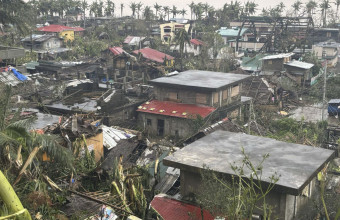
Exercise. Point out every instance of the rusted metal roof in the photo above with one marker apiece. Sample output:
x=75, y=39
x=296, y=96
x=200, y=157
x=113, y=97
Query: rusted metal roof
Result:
x=170, y=209
x=58, y=28
x=117, y=50
x=174, y=109
x=196, y=42
x=153, y=55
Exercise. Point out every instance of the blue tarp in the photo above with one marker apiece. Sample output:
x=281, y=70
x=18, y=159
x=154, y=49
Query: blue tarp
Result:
x=19, y=75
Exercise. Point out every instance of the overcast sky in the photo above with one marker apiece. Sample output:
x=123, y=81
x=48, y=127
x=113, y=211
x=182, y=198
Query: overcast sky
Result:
x=180, y=4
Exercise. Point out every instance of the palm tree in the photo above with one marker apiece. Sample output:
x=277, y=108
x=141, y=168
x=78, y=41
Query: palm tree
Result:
x=147, y=13
x=297, y=6
x=15, y=138
x=139, y=7
x=110, y=8
x=121, y=9
x=183, y=12
x=192, y=6
x=174, y=11
x=15, y=12
x=166, y=10
x=157, y=8
x=206, y=8
x=133, y=7
x=337, y=3
x=324, y=7
x=310, y=6
x=198, y=11
x=252, y=8
x=181, y=38
x=84, y=6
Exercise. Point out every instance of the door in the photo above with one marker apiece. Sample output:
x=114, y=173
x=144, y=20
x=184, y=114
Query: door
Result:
x=160, y=127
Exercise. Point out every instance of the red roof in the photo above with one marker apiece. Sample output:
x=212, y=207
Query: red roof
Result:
x=116, y=50
x=59, y=28
x=153, y=55
x=171, y=209
x=128, y=39
x=175, y=109
x=196, y=42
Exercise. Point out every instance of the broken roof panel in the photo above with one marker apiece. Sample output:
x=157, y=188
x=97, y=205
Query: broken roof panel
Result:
x=38, y=37
x=252, y=63
x=205, y=80
x=299, y=64
x=296, y=164
x=175, y=109
x=277, y=56
x=153, y=55
x=111, y=136
x=170, y=209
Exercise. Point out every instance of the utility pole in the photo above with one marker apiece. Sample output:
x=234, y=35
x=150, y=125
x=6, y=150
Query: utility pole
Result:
x=324, y=85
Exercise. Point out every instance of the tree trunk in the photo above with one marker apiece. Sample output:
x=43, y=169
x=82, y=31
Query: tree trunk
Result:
x=10, y=198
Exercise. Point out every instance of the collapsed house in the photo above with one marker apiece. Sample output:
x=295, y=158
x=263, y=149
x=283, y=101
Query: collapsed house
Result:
x=294, y=165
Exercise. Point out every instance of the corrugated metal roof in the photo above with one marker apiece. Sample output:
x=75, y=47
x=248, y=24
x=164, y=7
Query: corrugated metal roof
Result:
x=171, y=209
x=277, y=56
x=9, y=78
x=117, y=50
x=334, y=101
x=174, y=109
x=111, y=136
x=169, y=179
x=300, y=64
x=196, y=42
x=153, y=55
x=231, y=32
x=58, y=28
x=38, y=37
x=252, y=63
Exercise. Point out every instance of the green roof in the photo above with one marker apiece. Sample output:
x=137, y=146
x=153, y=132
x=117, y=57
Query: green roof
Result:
x=31, y=65
x=231, y=32
x=252, y=63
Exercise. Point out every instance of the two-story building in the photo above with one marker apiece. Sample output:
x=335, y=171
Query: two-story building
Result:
x=327, y=50
x=294, y=166
x=65, y=32
x=169, y=30
x=182, y=100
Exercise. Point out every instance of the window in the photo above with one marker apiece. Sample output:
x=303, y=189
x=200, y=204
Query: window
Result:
x=329, y=34
x=201, y=98
x=173, y=96
x=195, y=47
x=148, y=122
x=270, y=62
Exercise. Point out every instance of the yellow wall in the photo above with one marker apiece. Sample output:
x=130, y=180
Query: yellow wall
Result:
x=172, y=33
x=96, y=143
x=67, y=35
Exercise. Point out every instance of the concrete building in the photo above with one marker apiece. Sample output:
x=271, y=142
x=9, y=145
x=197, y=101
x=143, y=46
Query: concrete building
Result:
x=65, y=32
x=189, y=95
x=169, y=30
x=38, y=42
x=295, y=165
x=275, y=63
x=327, y=50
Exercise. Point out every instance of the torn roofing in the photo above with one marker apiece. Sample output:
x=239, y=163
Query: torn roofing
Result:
x=153, y=55
x=277, y=56
x=295, y=164
x=175, y=109
x=169, y=208
x=111, y=136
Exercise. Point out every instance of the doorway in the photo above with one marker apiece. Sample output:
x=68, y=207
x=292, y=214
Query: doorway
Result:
x=160, y=127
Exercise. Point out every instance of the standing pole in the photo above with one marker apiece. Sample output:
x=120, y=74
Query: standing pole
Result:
x=324, y=90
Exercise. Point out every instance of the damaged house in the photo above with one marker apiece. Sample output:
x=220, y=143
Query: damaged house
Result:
x=275, y=63
x=182, y=100
x=296, y=167
x=327, y=50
